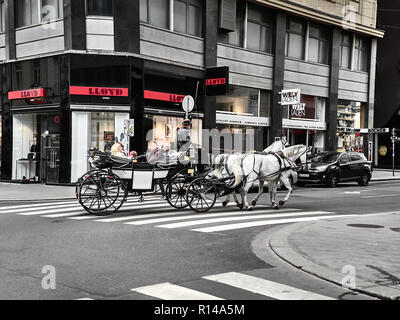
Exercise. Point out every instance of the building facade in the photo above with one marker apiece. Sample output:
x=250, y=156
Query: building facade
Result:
x=73, y=71
x=387, y=83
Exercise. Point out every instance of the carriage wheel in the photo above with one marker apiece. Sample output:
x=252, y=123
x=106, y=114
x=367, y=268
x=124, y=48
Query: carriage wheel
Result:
x=102, y=193
x=176, y=192
x=201, y=195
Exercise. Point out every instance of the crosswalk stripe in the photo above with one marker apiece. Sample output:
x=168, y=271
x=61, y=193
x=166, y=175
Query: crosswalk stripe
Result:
x=61, y=215
x=265, y=223
x=246, y=214
x=82, y=210
x=84, y=299
x=25, y=210
x=169, y=291
x=6, y=209
x=265, y=287
x=247, y=217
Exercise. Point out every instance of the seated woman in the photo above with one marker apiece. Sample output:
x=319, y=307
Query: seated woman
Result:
x=117, y=150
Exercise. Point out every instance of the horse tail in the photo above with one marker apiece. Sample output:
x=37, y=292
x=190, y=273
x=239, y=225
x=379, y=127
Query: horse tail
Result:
x=237, y=170
x=218, y=166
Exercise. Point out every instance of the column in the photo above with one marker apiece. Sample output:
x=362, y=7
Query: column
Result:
x=74, y=25
x=127, y=26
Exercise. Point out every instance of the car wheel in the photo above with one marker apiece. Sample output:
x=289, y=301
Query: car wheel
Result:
x=364, y=179
x=332, y=180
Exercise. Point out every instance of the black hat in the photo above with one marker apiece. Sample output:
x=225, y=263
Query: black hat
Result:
x=186, y=122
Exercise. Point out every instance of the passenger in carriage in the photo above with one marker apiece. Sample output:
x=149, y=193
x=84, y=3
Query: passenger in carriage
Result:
x=117, y=150
x=153, y=153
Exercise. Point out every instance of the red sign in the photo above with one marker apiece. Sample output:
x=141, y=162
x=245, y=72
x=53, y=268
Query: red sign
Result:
x=26, y=94
x=153, y=95
x=99, y=91
x=215, y=82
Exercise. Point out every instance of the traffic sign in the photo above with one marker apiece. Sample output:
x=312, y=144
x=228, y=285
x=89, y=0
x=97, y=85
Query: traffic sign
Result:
x=188, y=104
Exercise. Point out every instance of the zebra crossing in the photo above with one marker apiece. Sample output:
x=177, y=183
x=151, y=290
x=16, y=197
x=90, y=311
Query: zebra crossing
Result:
x=222, y=287
x=156, y=212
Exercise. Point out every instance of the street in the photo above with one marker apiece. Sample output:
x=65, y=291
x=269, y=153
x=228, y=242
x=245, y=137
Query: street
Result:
x=150, y=251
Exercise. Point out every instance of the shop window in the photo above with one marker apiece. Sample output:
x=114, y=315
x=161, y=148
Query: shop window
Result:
x=259, y=29
x=312, y=108
x=100, y=8
x=318, y=44
x=235, y=37
x=350, y=118
x=155, y=12
x=163, y=130
x=295, y=39
x=31, y=12
x=244, y=101
x=187, y=17
x=360, y=54
x=2, y=15
x=345, y=50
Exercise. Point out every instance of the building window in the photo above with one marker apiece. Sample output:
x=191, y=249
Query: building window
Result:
x=235, y=37
x=187, y=17
x=295, y=39
x=259, y=29
x=345, y=50
x=155, y=12
x=31, y=12
x=2, y=15
x=318, y=44
x=100, y=8
x=360, y=54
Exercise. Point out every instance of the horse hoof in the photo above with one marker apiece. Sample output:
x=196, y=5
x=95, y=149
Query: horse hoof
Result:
x=250, y=209
x=240, y=206
x=275, y=207
x=224, y=204
x=281, y=203
x=254, y=202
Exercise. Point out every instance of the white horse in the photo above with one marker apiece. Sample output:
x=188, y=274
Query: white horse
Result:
x=267, y=167
x=223, y=168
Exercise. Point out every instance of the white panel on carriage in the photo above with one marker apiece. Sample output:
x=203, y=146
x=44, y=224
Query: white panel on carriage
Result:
x=123, y=174
x=160, y=174
x=142, y=180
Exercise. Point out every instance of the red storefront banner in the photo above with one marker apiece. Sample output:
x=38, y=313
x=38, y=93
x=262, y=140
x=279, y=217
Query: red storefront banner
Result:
x=27, y=94
x=215, y=82
x=99, y=91
x=171, y=97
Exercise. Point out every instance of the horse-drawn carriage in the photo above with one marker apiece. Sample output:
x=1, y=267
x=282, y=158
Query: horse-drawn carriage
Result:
x=103, y=190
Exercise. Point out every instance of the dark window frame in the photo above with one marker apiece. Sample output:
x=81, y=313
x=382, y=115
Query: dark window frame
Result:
x=349, y=45
x=99, y=14
x=359, y=50
x=321, y=41
x=268, y=27
x=188, y=3
x=302, y=34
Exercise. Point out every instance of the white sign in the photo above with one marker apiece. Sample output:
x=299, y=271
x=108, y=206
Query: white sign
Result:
x=130, y=127
x=188, y=103
x=242, y=120
x=289, y=97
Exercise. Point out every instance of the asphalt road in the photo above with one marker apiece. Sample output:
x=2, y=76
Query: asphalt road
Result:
x=106, y=260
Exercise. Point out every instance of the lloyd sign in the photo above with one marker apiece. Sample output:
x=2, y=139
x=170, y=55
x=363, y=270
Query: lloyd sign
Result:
x=99, y=91
x=289, y=97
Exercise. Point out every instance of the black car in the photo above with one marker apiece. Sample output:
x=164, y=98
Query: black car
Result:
x=333, y=167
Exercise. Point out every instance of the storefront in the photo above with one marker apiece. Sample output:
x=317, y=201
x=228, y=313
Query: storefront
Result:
x=163, y=113
x=350, y=118
x=305, y=123
x=244, y=113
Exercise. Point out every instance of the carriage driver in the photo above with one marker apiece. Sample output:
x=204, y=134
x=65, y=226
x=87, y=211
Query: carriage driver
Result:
x=183, y=136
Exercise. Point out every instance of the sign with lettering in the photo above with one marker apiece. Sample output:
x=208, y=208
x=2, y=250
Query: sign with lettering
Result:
x=27, y=94
x=298, y=110
x=163, y=96
x=99, y=91
x=289, y=97
x=217, y=81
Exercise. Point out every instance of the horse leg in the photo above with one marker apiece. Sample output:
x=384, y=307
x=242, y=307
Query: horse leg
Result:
x=286, y=182
x=260, y=192
x=226, y=201
x=274, y=189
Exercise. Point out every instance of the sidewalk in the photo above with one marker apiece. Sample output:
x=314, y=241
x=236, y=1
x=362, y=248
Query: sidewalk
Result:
x=385, y=174
x=335, y=249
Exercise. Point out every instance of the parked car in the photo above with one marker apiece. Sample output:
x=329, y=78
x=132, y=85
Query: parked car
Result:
x=334, y=167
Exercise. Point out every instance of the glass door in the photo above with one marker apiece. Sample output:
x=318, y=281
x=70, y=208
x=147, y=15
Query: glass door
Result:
x=50, y=159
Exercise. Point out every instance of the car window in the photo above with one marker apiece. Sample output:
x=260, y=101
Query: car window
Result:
x=344, y=158
x=329, y=157
x=356, y=157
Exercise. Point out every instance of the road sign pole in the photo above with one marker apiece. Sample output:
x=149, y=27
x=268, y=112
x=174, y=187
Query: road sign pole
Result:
x=393, y=144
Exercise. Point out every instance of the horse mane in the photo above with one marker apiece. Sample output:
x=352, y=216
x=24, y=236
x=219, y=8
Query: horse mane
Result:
x=274, y=147
x=293, y=151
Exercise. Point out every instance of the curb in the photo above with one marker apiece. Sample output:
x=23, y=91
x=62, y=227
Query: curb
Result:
x=279, y=244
